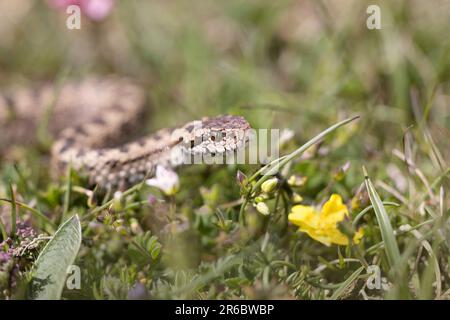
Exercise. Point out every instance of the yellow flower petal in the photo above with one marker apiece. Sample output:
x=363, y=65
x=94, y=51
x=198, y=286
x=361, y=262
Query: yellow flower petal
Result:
x=304, y=216
x=337, y=237
x=334, y=209
x=323, y=226
x=318, y=237
x=358, y=235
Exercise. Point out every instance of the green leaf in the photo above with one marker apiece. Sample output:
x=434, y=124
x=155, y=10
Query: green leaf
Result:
x=145, y=248
x=387, y=233
x=50, y=269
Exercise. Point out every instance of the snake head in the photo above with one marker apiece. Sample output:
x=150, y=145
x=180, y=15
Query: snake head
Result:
x=214, y=136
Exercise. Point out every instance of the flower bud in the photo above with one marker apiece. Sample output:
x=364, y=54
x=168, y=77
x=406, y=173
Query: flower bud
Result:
x=92, y=201
x=296, y=181
x=134, y=226
x=261, y=197
x=118, y=201
x=296, y=198
x=262, y=208
x=240, y=178
x=269, y=185
x=340, y=172
x=152, y=200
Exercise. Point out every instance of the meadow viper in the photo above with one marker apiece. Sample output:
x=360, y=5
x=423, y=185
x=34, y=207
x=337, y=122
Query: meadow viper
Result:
x=89, y=120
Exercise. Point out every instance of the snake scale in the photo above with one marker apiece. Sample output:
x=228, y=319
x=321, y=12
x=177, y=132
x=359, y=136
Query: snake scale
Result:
x=90, y=120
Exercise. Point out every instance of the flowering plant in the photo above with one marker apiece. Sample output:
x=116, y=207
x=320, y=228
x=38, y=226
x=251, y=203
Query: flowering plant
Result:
x=96, y=10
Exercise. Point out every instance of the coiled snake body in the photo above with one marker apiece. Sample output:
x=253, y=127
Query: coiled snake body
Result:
x=89, y=118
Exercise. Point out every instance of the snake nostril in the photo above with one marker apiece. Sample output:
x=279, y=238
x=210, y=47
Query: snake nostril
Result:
x=192, y=143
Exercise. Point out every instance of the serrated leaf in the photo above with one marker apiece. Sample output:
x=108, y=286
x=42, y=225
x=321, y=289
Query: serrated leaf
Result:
x=50, y=269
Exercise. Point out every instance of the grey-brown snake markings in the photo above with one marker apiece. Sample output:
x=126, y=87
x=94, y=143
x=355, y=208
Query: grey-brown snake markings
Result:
x=90, y=121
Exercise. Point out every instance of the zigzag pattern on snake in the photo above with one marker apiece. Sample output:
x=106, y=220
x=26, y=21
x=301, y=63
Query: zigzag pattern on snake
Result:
x=89, y=120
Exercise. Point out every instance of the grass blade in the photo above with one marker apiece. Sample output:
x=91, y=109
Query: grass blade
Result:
x=68, y=192
x=344, y=285
x=3, y=230
x=286, y=159
x=42, y=218
x=13, y=210
x=367, y=209
x=387, y=233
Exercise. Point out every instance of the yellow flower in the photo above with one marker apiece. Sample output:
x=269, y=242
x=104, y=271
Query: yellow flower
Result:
x=323, y=226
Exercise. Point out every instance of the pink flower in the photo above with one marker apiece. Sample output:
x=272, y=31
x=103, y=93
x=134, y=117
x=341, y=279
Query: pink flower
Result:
x=96, y=10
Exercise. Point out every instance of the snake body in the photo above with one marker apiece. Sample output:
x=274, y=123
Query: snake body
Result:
x=90, y=119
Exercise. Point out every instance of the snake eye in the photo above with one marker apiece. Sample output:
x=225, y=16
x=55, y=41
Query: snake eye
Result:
x=213, y=138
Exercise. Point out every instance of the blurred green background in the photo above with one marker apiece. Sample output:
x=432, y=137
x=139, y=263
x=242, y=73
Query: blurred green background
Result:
x=283, y=64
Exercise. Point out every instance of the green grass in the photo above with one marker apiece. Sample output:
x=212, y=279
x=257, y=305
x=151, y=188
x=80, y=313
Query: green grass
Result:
x=305, y=67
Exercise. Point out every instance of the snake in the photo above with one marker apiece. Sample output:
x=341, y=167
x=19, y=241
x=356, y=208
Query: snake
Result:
x=94, y=125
